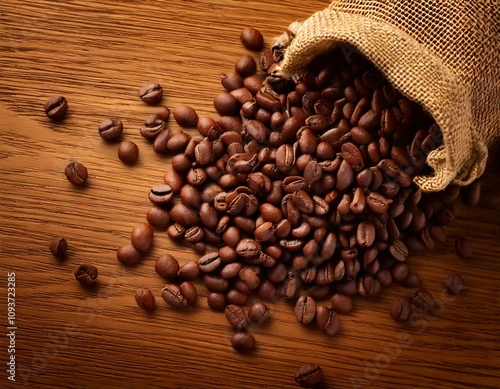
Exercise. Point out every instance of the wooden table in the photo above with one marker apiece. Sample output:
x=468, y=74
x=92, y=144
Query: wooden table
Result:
x=98, y=54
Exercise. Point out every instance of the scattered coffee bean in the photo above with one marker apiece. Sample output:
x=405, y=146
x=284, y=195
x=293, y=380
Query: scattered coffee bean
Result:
x=327, y=319
x=463, y=248
x=58, y=247
x=172, y=294
x=110, y=129
x=158, y=217
x=243, y=342
x=161, y=194
x=185, y=116
x=252, y=39
x=454, y=284
x=341, y=303
x=305, y=309
x=236, y=316
x=151, y=93
x=142, y=237
x=76, y=173
x=189, y=292
x=423, y=300
x=128, y=255
x=152, y=127
x=400, y=309
x=189, y=271
x=309, y=375
x=128, y=152
x=245, y=66
x=86, y=274
x=258, y=313
x=167, y=266
x=217, y=301
x=56, y=107
x=145, y=299
x=162, y=112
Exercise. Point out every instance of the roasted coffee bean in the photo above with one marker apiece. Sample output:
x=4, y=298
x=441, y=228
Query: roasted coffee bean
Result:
x=309, y=375
x=412, y=280
x=167, y=266
x=145, y=299
x=236, y=316
x=400, y=271
x=162, y=112
x=128, y=255
x=209, y=262
x=345, y=176
x=161, y=194
x=76, y=173
x=385, y=277
x=183, y=215
x=454, y=284
x=378, y=203
x=400, y=309
x=252, y=39
x=247, y=248
x=231, y=81
x=151, y=93
x=341, y=303
x=243, y=342
x=172, y=294
x=56, y=107
x=305, y=309
x=234, y=296
x=86, y=274
x=189, y=270
x=217, y=301
x=153, y=125
x=58, y=247
x=185, y=116
x=463, y=248
x=472, y=193
x=110, y=128
x=142, y=237
x=423, y=300
x=189, y=292
x=327, y=320
x=176, y=231
x=208, y=215
x=368, y=286
x=128, y=152
x=438, y=234
x=258, y=313
x=245, y=66
x=398, y=250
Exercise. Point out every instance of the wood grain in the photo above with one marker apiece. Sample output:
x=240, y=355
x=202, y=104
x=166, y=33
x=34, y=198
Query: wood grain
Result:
x=98, y=54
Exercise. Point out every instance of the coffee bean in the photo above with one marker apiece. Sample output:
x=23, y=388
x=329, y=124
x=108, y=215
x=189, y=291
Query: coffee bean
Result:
x=76, y=173
x=185, y=116
x=309, y=375
x=463, y=248
x=209, y=262
x=86, y=274
x=252, y=39
x=258, y=314
x=58, y=247
x=243, y=342
x=400, y=271
x=236, y=316
x=454, y=284
x=400, y=309
x=128, y=255
x=183, y=215
x=110, y=129
x=217, y=301
x=234, y=296
x=412, y=280
x=158, y=218
x=341, y=303
x=189, y=292
x=153, y=125
x=145, y=299
x=161, y=194
x=226, y=104
x=151, y=93
x=472, y=193
x=189, y=270
x=167, y=266
x=172, y=294
x=128, y=152
x=305, y=309
x=423, y=300
x=245, y=66
x=142, y=237
x=56, y=107
x=162, y=112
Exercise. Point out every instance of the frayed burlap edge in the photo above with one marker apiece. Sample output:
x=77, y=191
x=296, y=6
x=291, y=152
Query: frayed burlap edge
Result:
x=412, y=69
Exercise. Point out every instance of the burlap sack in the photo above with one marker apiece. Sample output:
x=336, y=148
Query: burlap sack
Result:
x=444, y=54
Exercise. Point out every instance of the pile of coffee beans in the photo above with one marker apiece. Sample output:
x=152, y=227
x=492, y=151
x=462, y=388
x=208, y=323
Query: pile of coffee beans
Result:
x=302, y=191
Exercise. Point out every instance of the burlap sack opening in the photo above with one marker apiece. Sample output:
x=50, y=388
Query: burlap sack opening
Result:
x=445, y=55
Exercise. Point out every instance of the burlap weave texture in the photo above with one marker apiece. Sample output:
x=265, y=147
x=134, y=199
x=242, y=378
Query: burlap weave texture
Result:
x=445, y=55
